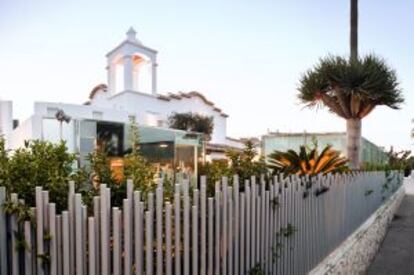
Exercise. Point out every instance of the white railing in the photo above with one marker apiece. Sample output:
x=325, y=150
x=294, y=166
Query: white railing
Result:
x=275, y=227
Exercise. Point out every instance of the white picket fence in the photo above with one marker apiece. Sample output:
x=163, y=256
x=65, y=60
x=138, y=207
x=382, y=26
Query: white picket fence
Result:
x=275, y=227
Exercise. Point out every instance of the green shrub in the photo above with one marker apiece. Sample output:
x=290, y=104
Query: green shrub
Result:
x=38, y=163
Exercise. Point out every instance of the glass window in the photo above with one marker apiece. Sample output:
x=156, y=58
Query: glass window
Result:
x=110, y=136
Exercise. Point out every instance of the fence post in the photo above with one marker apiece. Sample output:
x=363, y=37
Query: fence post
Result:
x=210, y=269
x=168, y=242
x=148, y=243
x=104, y=219
x=177, y=237
x=78, y=235
x=66, y=243
x=217, y=229
x=139, y=241
x=117, y=248
x=28, y=252
x=203, y=216
x=158, y=209
x=3, y=230
x=53, y=240
x=14, y=229
x=186, y=229
x=92, y=246
x=71, y=220
x=127, y=236
x=39, y=228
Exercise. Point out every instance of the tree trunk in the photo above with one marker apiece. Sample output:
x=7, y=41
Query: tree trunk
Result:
x=353, y=135
x=354, y=29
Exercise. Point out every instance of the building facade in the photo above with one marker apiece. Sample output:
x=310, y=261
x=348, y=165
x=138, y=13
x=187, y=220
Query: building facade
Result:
x=130, y=94
x=370, y=153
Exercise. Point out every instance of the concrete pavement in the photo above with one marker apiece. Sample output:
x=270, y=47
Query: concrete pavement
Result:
x=396, y=254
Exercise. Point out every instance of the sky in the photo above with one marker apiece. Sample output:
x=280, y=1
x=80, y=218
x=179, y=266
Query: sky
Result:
x=245, y=56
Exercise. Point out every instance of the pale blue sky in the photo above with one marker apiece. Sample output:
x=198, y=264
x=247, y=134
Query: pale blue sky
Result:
x=246, y=56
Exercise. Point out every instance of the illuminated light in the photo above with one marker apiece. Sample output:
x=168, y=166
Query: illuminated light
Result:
x=163, y=145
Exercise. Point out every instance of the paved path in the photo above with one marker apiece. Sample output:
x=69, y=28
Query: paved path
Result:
x=396, y=255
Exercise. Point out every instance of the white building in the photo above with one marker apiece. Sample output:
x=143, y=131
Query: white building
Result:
x=6, y=118
x=130, y=92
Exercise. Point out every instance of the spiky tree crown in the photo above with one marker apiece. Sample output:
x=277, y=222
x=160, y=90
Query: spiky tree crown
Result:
x=351, y=89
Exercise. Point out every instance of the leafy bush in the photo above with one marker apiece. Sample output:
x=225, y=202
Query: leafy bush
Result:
x=242, y=163
x=245, y=163
x=51, y=166
x=38, y=163
x=136, y=167
x=192, y=122
x=397, y=160
x=214, y=171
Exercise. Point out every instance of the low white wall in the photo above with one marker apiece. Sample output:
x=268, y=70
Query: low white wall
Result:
x=356, y=253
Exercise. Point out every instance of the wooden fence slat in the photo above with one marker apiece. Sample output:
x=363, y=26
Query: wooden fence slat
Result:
x=224, y=229
x=59, y=256
x=210, y=269
x=53, y=240
x=236, y=209
x=128, y=228
x=104, y=219
x=267, y=242
x=186, y=229
x=3, y=234
x=78, y=235
x=148, y=243
x=39, y=228
x=177, y=233
x=262, y=224
x=248, y=223
x=194, y=239
x=117, y=236
x=14, y=229
x=127, y=234
x=241, y=269
x=168, y=241
x=139, y=236
x=91, y=246
x=28, y=251
x=97, y=217
x=71, y=220
x=253, y=217
x=84, y=223
x=159, y=241
x=217, y=232
x=203, y=226
x=66, y=243
x=230, y=234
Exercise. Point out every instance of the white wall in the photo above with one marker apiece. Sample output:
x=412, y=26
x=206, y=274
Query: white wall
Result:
x=21, y=133
x=47, y=109
x=146, y=107
x=6, y=118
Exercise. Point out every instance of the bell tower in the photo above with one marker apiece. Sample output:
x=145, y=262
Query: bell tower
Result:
x=132, y=66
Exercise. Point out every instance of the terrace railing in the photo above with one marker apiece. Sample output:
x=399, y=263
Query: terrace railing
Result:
x=277, y=227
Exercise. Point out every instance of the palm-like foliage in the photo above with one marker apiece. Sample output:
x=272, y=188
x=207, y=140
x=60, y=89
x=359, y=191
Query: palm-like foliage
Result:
x=351, y=89
x=307, y=161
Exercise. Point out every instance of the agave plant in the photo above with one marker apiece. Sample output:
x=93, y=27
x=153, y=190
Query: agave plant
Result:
x=307, y=161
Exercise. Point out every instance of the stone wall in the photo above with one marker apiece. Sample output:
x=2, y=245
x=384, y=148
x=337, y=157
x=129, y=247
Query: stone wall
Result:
x=358, y=250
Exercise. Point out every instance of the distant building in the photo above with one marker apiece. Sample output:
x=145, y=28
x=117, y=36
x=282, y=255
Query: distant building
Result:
x=370, y=153
x=130, y=93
